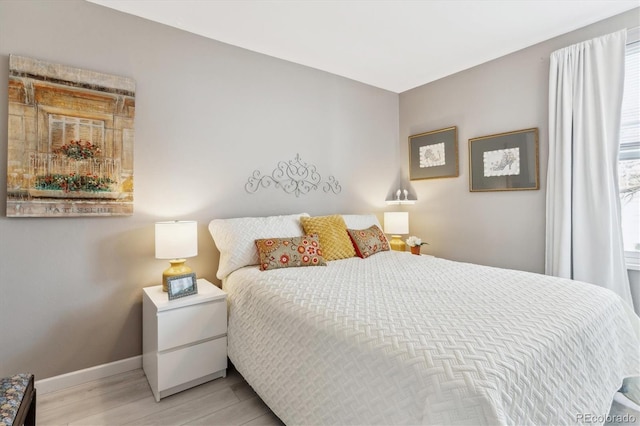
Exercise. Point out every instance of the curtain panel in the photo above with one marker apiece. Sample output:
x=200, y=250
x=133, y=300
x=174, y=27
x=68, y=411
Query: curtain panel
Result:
x=583, y=225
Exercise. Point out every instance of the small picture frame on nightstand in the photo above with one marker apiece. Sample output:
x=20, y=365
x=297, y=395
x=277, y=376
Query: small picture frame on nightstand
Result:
x=182, y=285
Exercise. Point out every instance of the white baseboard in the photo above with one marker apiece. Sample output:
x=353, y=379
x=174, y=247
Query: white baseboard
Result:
x=88, y=374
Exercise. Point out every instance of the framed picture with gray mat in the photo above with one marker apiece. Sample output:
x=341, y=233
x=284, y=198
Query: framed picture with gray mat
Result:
x=504, y=162
x=434, y=154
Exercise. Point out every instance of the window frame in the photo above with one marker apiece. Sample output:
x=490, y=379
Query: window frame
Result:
x=632, y=258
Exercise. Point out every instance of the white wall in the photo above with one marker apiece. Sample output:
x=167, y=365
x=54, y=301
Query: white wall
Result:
x=207, y=116
x=504, y=229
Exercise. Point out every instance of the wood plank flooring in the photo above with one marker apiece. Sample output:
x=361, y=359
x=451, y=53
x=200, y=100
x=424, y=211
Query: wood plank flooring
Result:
x=126, y=399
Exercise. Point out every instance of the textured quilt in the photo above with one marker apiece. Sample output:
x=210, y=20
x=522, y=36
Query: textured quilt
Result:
x=403, y=339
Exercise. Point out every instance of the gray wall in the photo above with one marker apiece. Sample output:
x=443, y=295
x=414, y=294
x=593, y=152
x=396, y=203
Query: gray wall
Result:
x=208, y=115
x=504, y=229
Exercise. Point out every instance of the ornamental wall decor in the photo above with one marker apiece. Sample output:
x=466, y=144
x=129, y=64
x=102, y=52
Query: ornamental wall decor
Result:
x=70, y=134
x=434, y=154
x=504, y=162
x=293, y=177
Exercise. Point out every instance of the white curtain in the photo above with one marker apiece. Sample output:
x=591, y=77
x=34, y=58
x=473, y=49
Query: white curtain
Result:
x=584, y=234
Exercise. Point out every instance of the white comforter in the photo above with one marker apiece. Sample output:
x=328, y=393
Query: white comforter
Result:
x=402, y=339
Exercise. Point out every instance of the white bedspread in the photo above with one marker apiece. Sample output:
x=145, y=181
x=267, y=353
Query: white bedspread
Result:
x=403, y=339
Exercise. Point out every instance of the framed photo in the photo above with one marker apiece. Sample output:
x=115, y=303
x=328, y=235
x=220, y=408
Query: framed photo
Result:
x=504, y=162
x=434, y=154
x=182, y=285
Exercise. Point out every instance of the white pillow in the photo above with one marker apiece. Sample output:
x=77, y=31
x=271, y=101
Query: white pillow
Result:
x=361, y=221
x=235, y=238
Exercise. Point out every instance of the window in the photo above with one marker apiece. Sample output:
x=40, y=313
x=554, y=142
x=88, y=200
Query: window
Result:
x=63, y=129
x=629, y=159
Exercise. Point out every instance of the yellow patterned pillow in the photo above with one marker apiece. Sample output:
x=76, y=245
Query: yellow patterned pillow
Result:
x=334, y=238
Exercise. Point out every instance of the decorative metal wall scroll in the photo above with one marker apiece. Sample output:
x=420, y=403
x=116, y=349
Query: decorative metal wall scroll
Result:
x=294, y=177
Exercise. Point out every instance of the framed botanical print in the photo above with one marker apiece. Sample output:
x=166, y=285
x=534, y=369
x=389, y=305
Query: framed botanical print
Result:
x=434, y=154
x=504, y=162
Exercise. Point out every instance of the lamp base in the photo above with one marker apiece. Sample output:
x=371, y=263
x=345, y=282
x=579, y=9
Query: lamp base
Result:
x=397, y=244
x=177, y=268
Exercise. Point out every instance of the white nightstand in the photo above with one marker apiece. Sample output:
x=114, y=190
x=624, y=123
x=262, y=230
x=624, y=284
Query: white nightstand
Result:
x=184, y=341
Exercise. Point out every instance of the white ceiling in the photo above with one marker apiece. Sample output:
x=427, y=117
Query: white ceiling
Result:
x=395, y=45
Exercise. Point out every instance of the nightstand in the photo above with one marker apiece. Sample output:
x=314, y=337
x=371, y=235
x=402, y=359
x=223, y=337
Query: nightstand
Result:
x=184, y=341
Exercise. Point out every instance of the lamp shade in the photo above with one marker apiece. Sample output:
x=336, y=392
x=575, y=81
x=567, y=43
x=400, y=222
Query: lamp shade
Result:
x=396, y=223
x=176, y=239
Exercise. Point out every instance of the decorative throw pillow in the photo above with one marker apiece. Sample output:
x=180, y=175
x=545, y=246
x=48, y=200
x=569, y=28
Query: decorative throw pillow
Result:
x=277, y=253
x=332, y=231
x=368, y=241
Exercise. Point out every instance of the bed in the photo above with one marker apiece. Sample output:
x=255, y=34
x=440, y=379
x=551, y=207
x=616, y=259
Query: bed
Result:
x=396, y=338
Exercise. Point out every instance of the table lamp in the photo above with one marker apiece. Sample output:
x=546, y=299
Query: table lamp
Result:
x=176, y=240
x=396, y=223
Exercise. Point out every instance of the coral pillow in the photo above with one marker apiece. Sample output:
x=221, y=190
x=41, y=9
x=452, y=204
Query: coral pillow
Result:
x=277, y=253
x=332, y=231
x=368, y=241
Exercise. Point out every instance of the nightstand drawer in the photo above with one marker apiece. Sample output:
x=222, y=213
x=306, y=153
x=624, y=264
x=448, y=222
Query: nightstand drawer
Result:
x=190, y=324
x=192, y=362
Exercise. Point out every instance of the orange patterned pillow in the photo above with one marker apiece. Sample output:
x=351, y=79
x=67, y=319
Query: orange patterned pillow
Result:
x=275, y=253
x=332, y=231
x=368, y=241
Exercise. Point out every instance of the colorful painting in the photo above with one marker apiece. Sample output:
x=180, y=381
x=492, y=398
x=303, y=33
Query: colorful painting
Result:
x=70, y=135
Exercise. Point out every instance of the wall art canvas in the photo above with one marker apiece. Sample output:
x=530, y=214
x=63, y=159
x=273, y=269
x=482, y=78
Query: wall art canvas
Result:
x=504, y=162
x=434, y=154
x=70, y=141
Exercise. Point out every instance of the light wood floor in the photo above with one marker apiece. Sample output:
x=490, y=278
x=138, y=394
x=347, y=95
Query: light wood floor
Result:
x=126, y=399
